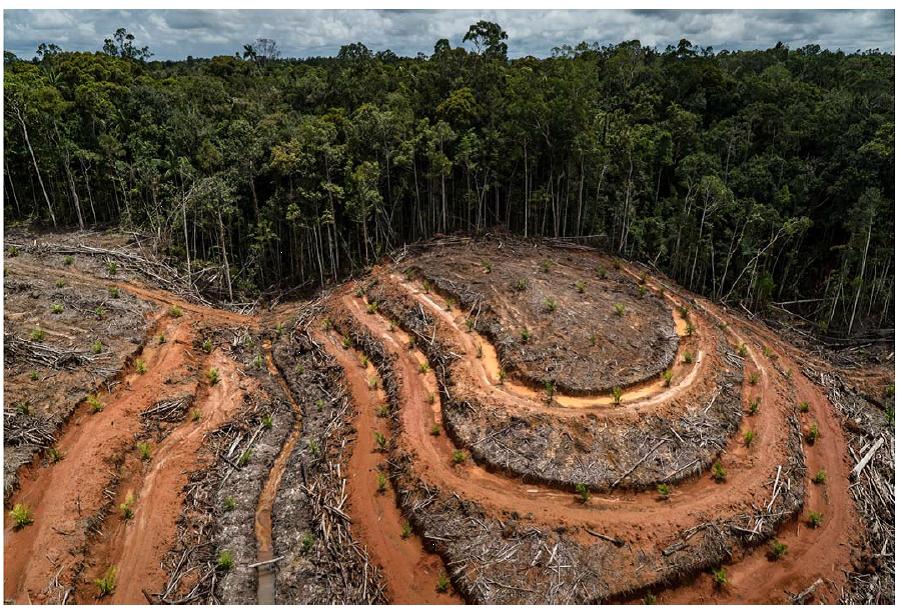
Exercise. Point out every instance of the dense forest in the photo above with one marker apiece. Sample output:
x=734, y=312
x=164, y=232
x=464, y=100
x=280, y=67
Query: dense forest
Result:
x=764, y=179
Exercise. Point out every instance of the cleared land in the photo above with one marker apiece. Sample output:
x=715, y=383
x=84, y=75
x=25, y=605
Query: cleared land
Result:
x=491, y=421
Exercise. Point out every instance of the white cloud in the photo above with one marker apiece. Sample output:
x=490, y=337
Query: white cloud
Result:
x=174, y=34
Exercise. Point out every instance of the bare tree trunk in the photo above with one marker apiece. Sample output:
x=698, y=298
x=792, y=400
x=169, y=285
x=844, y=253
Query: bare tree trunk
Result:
x=862, y=277
x=34, y=161
x=224, y=252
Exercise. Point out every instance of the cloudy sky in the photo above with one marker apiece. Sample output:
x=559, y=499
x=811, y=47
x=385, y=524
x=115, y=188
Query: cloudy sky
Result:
x=175, y=34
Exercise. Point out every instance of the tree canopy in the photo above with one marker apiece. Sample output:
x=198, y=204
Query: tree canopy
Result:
x=762, y=178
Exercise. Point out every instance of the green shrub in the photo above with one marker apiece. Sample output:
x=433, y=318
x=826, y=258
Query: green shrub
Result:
x=380, y=439
x=663, y=489
x=601, y=272
x=207, y=346
x=579, y=286
x=229, y=503
x=683, y=311
x=225, y=560
x=140, y=366
x=60, y=283
x=144, y=449
x=96, y=405
x=299, y=369
x=68, y=260
x=719, y=577
x=443, y=582
x=212, y=375
x=813, y=435
x=24, y=407
x=617, y=394
x=667, y=377
x=449, y=304
x=56, y=308
x=306, y=543
x=649, y=599
x=347, y=342
x=435, y=430
x=175, y=311
x=688, y=357
x=583, y=492
x=258, y=361
x=777, y=550
x=719, y=472
x=313, y=446
x=372, y=307
x=162, y=338
x=21, y=516
x=107, y=583
x=382, y=482
x=383, y=411
x=550, y=304
x=37, y=334
x=56, y=455
x=96, y=347
x=754, y=406
x=245, y=457
x=459, y=457
x=469, y=324
x=12, y=252
x=815, y=518
x=196, y=415
x=742, y=349
x=114, y=292
x=748, y=438
x=521, y=285
x=100, y=311
x=320, y=404
x=620, y=309
x=112, y=268
x=549, y=389
x=754, y=377
x=406, y=531
x=327, y=324
x=125, y=507
x=267, y=420
x=819, y=478
x=689, y=329
x=33, y=375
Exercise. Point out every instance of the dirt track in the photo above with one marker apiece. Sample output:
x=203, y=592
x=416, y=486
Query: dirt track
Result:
x=79, y=530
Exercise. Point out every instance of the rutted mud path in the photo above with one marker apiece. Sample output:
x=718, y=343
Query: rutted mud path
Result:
x=263, y=516
x=79, y=531
x=410, y=570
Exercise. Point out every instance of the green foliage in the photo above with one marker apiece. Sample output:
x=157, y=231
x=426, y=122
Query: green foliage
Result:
x=619, y=309
x=229, y=503
x=196, y=415
x=754, y=377
x=306, y=542
x=449, y=304
x=812, y=434
x=106, y=584
x=207, y=346
x=501, y=375
x=579, y=286
x=820, y=477
x=96, y=405
x=814, y=518
x=688, y=357
x=487, y=266
x=267, y=420
x=347, y=342
x=60, y=283
x=384, y=410
x=100, y=311
x=742, y=349
x=683, y=311
x=583, y=492
x=114, y=292
x=68, y=260
x=435, y=430
x=650, y=599
x=719, y=472
x=545, y=266
x=525, y=335
x=424, y=368
x=382, y=482
x=112, y=268
x=804, y=407
x=601, y=272
x=212, y=375
x=549, y=389
x=24, y=407
x=37, y=334
x=406, y=531
x=140, y=366
x=459, y=457
x=754, y=406
x=662, y=489
x=144, y=450
x=33, y=375
x=258, y=362
x=443, y=582
x=372, y=307
x=245, y=457
x=56, y=308
x=642, y=291
x=380, y=439
x=667, y=377
x=748, y=438
x=126, y=506
x=313, y=446
x=720, y=579
x=21, y=516
x=175, y=311
x=162, y=338
x=225, y=560
x=96, y=347
x=689, y=329
x=56, y=455
x=617, y=394
x=777, y=550
x=550, y=304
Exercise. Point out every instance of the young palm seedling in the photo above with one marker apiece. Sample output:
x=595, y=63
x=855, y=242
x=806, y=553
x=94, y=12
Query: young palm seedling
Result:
x=406, y=531
x=229, y=504
x=382, y=483
x=688, y=357
x=435, y=430
x=815, y=518
x=21, y=516
x=267, y=420
x=96, y=405
x=521, y=285
x=56, y=308
x=380, y=439
x=754, y=377
x=32, y=375
x=212, y=375
x=617, y=394
x=525, y=335
x=720, y=578
x=96, y=347
x=754, y=406
x=459, y=457
x=225, y=560
x=813, y=435
x=37, y=334
x=207, y=346
x=245, y=457
x=175, y=311
x=126, y=506
x=620, y=309
x=56, y=455
x=550, y=304
x=114, y=292
x=583, y=492
x=144, y=449
x=748, y=438
x=112, y=268
x=719, y=472
x=140, y=366
x=667, y=377
x=663, y=490
x=100, y=311
x=777, y=550
x=68, y=260
x=443, y=582
x=106, y=584
x=579, y=286
x=819, y=478
x=60, y=283
x=306, y=543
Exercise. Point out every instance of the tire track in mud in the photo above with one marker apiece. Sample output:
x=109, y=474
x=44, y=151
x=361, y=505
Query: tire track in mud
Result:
x=263, y=516
x=410, y=571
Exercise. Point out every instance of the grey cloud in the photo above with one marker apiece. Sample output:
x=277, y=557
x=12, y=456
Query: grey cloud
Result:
x=174, y=34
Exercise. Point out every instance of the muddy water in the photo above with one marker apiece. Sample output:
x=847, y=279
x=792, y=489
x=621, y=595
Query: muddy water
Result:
x=490, y=363
x=265, y=592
